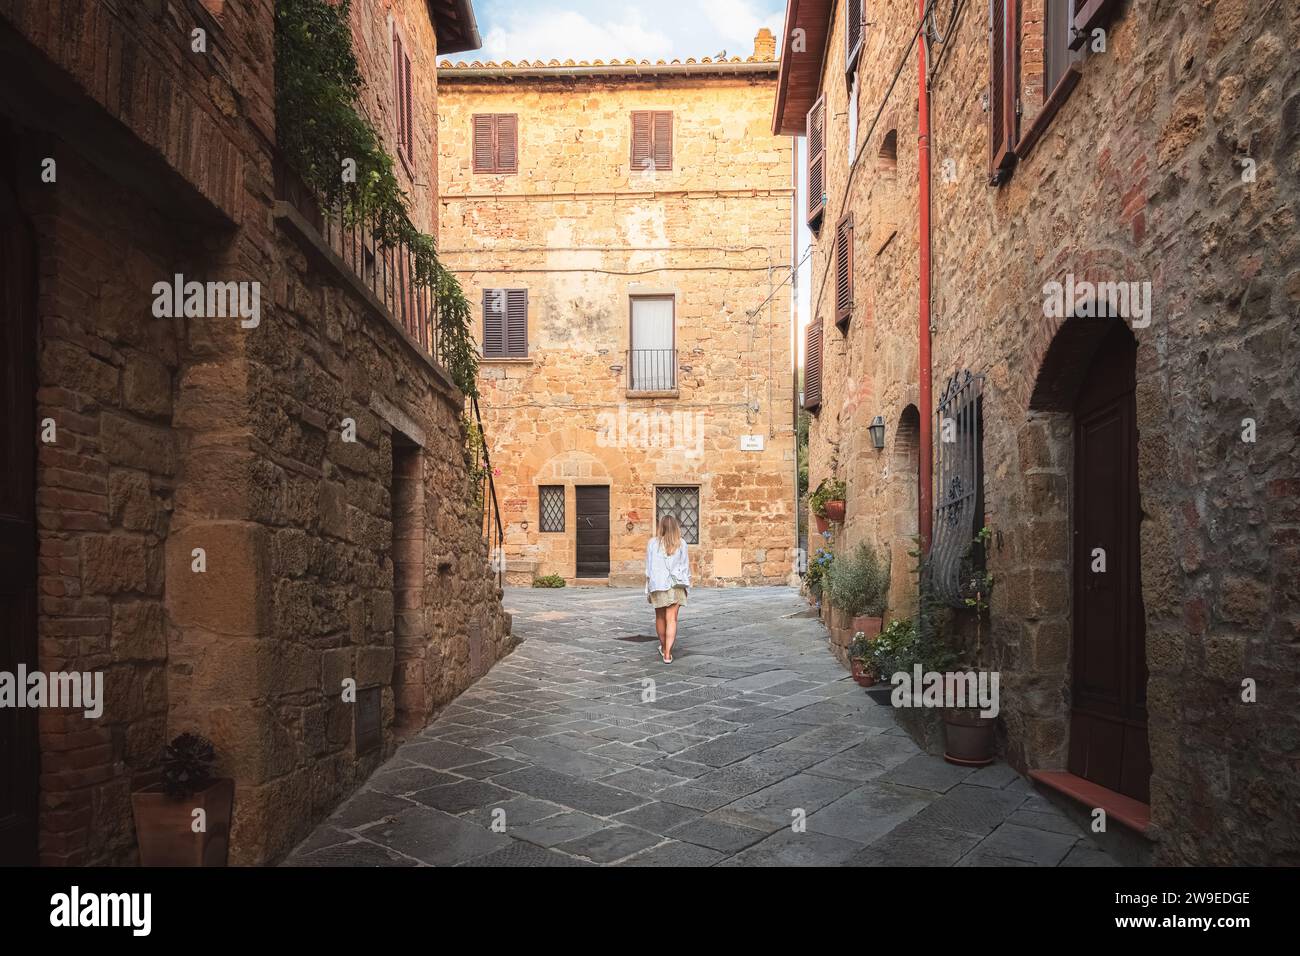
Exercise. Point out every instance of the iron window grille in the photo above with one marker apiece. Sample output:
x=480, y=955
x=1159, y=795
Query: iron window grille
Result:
x=683, y=503
x=959, y=491
x=551, y=499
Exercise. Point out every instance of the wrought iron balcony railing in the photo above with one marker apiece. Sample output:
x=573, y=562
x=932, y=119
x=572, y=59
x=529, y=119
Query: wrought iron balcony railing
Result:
x=652, y=370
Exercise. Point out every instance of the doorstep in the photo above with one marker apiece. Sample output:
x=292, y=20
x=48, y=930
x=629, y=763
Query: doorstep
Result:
x=1131, y=813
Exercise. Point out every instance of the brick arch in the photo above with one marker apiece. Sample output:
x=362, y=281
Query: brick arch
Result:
x=1060, y=349
x=575, y=446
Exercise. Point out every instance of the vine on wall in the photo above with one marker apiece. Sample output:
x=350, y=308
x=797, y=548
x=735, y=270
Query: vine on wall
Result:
x=319, y=128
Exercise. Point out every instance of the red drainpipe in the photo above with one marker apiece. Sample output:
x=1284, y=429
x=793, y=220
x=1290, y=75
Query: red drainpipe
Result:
x=926, y=478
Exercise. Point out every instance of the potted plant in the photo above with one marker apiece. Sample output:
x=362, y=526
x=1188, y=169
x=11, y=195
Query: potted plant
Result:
x=861, y=661
x=815, y=577
x=857, y=586
x=969, y=737
x=184, y=818
x=827, y=502
x=894, y=650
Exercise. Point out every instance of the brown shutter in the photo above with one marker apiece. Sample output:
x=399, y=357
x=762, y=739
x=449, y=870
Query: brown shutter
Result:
x=663, y=140
x=844, y=271
x=642, y=140
x=507, y=150
x=406, y=108
x=854, y=22
x=1089, y=14
x=816, y=160
x=494, y=322
x=516, y=322
x=1004, y=83
x=484, y=127
x=812, y=366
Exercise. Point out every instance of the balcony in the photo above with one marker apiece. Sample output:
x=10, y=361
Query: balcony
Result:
x=652, y=372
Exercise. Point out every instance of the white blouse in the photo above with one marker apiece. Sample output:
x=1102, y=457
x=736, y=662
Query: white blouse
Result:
x=663, y=571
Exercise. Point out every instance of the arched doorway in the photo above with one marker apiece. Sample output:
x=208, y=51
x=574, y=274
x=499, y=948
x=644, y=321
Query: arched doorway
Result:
x=18, y=753
x=904, y=472
x=1108, y=718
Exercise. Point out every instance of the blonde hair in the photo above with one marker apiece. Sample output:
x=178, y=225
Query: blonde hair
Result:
x=670, y=534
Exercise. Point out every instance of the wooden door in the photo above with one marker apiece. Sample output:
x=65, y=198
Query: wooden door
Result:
x=593, y=531
x=1108, y=724
x=18, y=755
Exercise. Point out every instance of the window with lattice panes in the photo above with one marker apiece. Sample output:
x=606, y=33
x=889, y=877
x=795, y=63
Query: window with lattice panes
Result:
x=551, y=500
x=683, y=503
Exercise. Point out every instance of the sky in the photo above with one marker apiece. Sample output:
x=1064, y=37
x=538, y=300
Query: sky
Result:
x=654, y=29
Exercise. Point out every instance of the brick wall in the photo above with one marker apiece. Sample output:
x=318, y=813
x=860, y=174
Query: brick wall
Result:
x=582, y=232
x=1138, y=177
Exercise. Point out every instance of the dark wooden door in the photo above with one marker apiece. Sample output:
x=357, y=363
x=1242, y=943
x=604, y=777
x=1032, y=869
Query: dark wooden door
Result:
x=18, y=759
x=1108, y=724
x=593, y=531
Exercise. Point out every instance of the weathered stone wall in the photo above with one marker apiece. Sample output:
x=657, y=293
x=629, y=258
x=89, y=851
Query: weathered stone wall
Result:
x=175, y=434
x=583, y=232
x=1139, y=177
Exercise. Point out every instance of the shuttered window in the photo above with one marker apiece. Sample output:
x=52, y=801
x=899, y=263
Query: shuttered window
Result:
x=812, y=367
x=844, y=271
x=652, y=139
x=1088, y=15
x=505, y=323
x=854, y=29
x=496, y=142
x=1004, y=86
x=551, y=507
x=816, y=126
x=402, y=101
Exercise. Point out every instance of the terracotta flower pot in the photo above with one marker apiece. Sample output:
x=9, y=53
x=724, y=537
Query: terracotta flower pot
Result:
x=968, y=738
x=823, y=525
x=164, y=826
x=835, y=511
x=862, y=672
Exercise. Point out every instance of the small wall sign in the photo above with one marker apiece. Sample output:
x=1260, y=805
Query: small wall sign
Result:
x=751, y=442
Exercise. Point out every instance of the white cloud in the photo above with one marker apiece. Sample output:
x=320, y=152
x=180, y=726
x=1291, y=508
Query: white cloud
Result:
x=569, y=35
x=737, y=21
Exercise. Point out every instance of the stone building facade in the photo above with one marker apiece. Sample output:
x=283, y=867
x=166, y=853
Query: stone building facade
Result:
x=634, y=222
x=1158, y=433
x=197, y=525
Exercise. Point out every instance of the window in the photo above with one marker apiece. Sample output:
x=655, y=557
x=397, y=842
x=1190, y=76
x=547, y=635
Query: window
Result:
x=959, y=487
x=812, y=366
x=844, y=272
x=652, y=139
x=683, y=503
x=652, y=359
x=496, y=142
x=816, y=126
x=853, y=120
x=551, y=508
x=505, y=323
x=1004, y=84
x=402, y=101
x=854, y=30
x=1057, y=56
x=887, y=161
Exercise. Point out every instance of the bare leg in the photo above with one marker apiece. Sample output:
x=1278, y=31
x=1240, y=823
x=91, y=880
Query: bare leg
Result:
x=670, y=629
x=661, y=625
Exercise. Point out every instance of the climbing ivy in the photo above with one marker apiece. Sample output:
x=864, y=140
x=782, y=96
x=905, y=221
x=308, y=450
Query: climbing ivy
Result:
x=319, y=126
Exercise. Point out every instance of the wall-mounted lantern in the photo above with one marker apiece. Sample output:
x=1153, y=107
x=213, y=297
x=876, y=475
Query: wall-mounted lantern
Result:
x=877, y=429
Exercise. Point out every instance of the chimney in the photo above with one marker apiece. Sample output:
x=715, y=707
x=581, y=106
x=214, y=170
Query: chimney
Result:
x=764, y=45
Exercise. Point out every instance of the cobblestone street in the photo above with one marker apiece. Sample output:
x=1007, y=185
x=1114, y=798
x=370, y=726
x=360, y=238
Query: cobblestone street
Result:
x=752, y=727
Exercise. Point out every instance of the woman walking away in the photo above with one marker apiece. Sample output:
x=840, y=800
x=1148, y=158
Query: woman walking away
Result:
x=667, y=577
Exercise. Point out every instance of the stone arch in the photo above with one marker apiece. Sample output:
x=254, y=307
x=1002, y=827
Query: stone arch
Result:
x=887, y=155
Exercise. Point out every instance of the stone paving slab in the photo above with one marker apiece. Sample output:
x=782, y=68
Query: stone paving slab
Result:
x=757, y=749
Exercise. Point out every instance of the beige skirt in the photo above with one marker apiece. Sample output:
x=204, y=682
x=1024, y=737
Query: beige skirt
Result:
x=667, y=598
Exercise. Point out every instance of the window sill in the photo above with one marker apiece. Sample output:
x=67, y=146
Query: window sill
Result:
x=665, y=393
x=1051, y=106
x=1131, y=813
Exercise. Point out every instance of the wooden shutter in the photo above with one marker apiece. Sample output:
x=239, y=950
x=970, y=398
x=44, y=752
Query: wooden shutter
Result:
x=494, y=322
x=484, y=127
x=812, y=366
x=409, y=137
x=816, y=160
x=844, y=271
x=642, y=140
x=854, y=28
x=507, y=144
x=663, y=139
x=1004, y=83
x=1089, y=14
x=516, y=305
